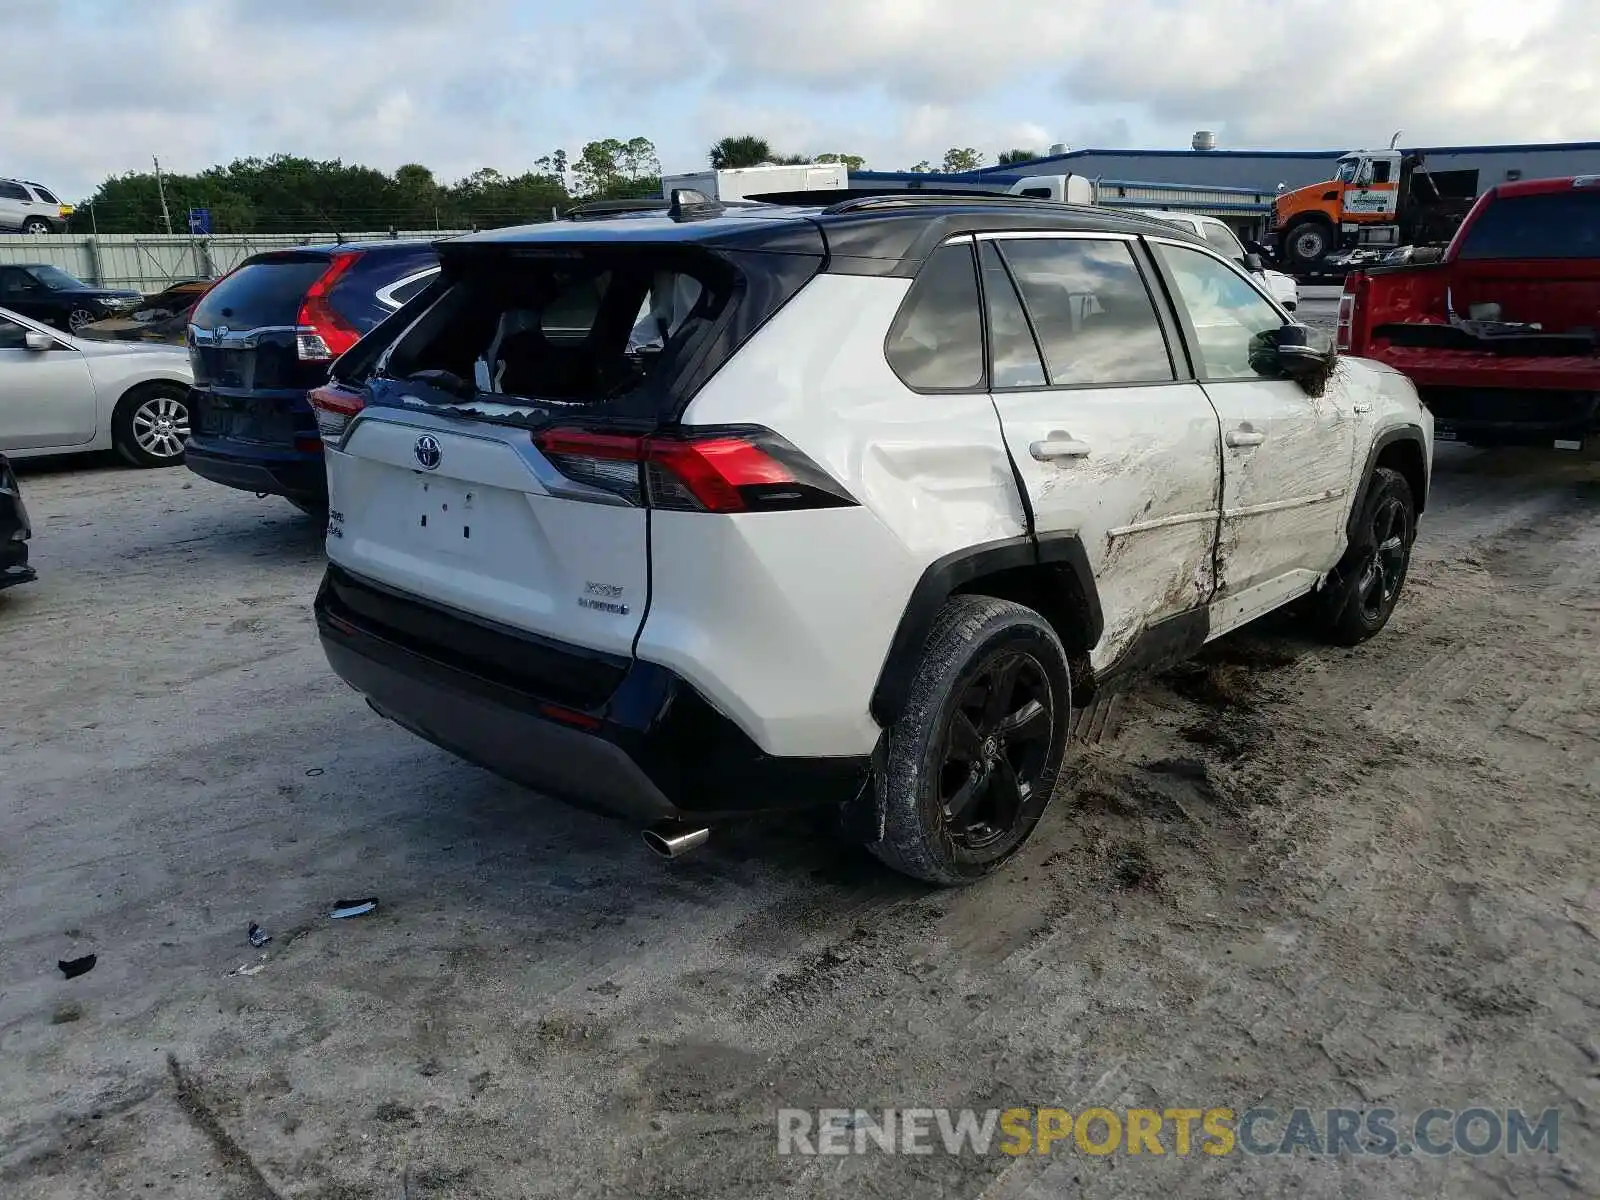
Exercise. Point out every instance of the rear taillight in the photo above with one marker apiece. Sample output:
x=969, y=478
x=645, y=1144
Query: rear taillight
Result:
x=336, y=406
x=719, y=471
x=608, y=461
x=323, y=334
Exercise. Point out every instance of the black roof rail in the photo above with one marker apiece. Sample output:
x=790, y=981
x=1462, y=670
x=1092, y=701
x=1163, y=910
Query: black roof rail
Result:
x=612, y=208
x=919, y=196
x=686, y=204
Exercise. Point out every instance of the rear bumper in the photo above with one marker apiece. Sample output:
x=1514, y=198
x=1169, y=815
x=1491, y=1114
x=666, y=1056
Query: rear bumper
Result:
x=1512, y=418
x=300, y=477
x=651, y=749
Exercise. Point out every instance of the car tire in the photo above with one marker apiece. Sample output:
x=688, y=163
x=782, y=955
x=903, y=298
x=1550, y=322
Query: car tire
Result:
x=79, y=317
x=36, y=225
x=149, y=422
x=973, y=761
x=1361, y=592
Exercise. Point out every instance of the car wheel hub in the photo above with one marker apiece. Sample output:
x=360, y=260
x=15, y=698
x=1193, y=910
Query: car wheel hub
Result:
x=1380, y=581
x=997, y=742
x=160, y=426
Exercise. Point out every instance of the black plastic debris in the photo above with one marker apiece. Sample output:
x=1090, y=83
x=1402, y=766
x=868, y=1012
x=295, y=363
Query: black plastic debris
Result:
x=353, y=908
x=73, y=967
x=259, y=937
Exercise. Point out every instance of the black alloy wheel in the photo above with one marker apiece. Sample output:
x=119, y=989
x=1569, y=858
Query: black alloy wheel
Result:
x=1361, y=593
x=971, y=763
x=1385, y=570
x=997, y=742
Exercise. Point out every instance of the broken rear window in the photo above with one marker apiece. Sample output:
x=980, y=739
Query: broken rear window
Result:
x=571, y=327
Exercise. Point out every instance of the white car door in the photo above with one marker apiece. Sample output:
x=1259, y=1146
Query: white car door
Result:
x=1111, y=437
x=1286, y=458
x=47, y=398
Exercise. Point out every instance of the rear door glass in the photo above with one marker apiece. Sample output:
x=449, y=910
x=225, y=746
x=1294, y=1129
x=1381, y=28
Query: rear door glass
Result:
x=1012, y=351
x=936, y=340
x=260, y=294
x=1091, y=310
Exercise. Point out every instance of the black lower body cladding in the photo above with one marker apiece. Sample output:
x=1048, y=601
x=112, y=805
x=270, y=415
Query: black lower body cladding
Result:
x=627, y=738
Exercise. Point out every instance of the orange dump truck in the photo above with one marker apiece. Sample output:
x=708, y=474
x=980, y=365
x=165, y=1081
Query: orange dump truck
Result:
x=1376, y=198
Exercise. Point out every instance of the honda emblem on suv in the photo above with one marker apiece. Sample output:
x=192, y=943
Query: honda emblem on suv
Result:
x=428, y=452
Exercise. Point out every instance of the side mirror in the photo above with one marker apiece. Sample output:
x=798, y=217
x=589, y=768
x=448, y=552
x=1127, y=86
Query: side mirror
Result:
x=1254, y=264
x=1295, y=352
x=34, y=340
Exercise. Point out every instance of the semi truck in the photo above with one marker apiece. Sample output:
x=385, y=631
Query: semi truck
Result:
x=1377, y=199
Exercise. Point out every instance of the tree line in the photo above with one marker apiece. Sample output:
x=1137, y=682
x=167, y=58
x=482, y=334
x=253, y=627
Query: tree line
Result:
x=289, y=194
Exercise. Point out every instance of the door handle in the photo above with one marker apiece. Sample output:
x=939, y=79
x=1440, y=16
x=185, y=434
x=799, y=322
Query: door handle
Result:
x=1059, y=445
x=1244, y=437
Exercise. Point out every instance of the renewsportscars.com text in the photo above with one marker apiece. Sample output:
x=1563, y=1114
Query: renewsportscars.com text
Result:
x=1434, y=1132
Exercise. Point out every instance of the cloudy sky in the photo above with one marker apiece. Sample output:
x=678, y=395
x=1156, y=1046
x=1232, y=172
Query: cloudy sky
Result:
x=95, y=87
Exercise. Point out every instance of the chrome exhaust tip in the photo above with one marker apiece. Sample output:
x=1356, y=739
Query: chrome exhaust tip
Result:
x=673, y=839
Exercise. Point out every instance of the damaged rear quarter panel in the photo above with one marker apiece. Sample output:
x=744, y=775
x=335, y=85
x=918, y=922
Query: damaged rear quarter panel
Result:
x=930, y=473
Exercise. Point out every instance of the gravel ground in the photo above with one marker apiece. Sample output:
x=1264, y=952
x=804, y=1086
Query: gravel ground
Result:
x=1296, y=876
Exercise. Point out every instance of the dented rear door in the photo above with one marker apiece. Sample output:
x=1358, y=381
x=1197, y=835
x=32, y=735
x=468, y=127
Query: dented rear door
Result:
x=1111, y=443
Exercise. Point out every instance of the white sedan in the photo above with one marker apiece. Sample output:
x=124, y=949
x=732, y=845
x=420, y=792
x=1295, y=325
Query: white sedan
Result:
x=60, y=394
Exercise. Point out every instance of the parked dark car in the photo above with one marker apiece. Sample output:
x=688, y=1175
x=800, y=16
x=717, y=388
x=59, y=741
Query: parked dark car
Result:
x=162, y=318
x=47, y=293
x=14, y=530
x=264, y=335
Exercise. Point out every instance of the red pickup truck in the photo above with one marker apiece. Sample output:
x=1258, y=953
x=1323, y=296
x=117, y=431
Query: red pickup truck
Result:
x=1502, y=335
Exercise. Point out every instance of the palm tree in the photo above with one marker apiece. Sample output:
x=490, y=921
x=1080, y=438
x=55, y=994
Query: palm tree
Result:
x=746, y=150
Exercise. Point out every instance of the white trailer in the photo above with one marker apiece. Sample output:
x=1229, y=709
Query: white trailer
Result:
x=1070, y=189
x=736, y=183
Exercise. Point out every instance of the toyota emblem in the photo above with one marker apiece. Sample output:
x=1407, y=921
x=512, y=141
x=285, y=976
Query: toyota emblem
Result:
x=428, y=452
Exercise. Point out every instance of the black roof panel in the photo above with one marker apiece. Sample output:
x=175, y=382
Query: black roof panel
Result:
x=886, y=234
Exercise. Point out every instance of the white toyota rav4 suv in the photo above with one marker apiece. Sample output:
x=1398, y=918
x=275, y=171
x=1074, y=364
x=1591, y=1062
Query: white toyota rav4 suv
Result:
x=709, y=510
